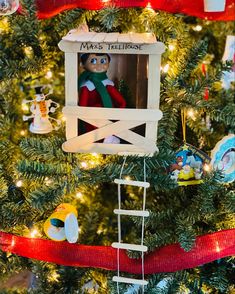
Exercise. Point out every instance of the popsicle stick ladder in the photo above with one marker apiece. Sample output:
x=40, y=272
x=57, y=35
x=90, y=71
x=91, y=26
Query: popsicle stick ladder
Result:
x=138, y=213
x=114, y=121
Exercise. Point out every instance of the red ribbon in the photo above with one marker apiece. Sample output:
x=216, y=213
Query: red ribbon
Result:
x=169, y=258
x=50, y=8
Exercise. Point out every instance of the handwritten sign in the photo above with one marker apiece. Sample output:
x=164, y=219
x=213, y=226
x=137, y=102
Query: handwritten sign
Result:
x=87, y=46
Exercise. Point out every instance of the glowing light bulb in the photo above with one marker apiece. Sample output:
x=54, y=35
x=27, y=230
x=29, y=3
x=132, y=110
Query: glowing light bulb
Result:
x=207, y=167
x=197, y=28
x=19, y=183
x=149, y=7
x=33, y=233
x=191, y=114
x=12, y=242
x=99, y=231
x=79, y=195
x=28, y=51
x=166, y=68
x=48, y=181
x=63, y=118
x=23, y=132
x=49, y=74
x=84, y=164
x=8, y=7
x=171, y=47
x=25, y=107
x=127, y=178
x=217, y=248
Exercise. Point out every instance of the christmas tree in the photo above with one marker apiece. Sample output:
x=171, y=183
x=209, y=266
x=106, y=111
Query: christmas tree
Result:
x=36, y=175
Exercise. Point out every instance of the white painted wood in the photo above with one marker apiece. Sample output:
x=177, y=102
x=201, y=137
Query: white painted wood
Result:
x=132, y=183
x=115, y=113
x=128, y=246
x=143, y=153
x=112, y=48
x=71, y=88
x=78, y=36
x=131, y=212
x=71, y=127
x=98, y=38
x=120, y=149
x=124, y=38
x=147, y=144
x=103, y=132
x=111, y=38
x=136, y=139
x=153, y=92
x=130, y=281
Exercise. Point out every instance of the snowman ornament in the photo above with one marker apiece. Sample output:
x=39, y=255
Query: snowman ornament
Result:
x=40, y=109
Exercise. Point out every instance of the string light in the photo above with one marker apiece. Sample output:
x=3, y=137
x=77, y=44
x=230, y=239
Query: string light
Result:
x=207, y=167
x=79, y=195
x=191, y=114
x=23, y=132
x=53, y=277
x=28, y=51
x=63, y=118
x=217, y=248
x=34, y=233
x=197, y=28
x=171, y=47
x=84, y=164
x=48, y=181
x=127, y=178
x=25, y=107
x=149, y=7
x=165, y=68
x=19, y=183
x=49, y=74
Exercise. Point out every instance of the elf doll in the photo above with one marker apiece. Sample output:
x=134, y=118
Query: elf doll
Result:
x=96, y=90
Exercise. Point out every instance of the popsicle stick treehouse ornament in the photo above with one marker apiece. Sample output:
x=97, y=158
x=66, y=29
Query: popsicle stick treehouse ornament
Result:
x=117, y=126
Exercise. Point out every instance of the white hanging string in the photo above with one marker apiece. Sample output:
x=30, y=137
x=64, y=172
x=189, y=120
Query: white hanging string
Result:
x=142, y=232
x=119, y=224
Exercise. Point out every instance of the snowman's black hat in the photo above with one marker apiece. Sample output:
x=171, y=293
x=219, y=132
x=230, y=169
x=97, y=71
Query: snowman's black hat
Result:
x=38, y=89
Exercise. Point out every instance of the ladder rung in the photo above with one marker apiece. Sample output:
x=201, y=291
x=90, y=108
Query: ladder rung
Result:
x=127, y=246
x=144, y=213
x=132, y=183
x=129, y=281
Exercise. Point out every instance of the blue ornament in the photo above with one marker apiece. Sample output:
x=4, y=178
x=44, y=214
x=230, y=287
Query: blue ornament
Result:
x=188, y=166
x=223, y=158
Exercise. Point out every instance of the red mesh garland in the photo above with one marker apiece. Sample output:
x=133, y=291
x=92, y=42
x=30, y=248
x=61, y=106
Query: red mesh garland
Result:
x=50, y=8
x=169, y=258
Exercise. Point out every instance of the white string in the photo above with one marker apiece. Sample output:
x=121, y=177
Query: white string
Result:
x=119, y=224
x=142, y=232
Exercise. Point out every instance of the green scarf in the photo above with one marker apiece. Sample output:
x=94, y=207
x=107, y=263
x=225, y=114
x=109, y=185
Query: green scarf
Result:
x=96, y=79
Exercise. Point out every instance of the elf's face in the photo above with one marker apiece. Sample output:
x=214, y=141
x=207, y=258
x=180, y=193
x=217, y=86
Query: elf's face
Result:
x=97, y=63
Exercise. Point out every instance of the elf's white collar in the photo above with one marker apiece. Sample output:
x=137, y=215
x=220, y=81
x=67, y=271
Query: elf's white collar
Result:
x=90, y=86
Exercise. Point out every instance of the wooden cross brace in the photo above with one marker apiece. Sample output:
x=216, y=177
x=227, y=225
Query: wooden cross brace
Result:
x=101, y=118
